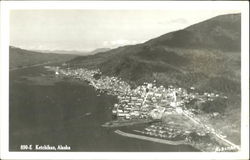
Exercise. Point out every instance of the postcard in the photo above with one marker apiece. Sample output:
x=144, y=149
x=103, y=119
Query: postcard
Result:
x=124, y=80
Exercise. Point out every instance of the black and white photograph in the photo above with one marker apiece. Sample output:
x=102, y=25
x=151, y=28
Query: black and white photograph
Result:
x=126, y=79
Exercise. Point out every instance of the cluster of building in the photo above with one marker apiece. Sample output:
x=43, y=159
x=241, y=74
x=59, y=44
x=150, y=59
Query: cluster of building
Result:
x=169, y=132
x=146, y=101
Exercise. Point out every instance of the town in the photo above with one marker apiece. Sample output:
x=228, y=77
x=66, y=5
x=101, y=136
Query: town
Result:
x=151, y=102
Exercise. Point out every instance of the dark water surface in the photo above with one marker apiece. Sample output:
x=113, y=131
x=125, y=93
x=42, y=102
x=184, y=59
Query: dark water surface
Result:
x=45, y=110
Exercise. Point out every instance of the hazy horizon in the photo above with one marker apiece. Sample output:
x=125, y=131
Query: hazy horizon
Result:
x=87, y=30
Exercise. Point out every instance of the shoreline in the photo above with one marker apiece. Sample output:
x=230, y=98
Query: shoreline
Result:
x=152, y=139
x=113, y=124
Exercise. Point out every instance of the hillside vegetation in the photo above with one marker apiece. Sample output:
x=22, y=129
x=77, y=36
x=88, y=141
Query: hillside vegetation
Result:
x=203, y=55
x=20, y=57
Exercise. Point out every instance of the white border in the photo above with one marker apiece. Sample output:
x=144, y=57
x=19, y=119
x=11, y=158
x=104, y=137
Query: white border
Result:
x=6, y=6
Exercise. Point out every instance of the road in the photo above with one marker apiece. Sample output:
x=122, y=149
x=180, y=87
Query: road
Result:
x=213, y=132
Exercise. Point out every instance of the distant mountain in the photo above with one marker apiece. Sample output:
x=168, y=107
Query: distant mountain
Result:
x=203, y=55
x=20, y=57
x=74, y=52
x=99, y=50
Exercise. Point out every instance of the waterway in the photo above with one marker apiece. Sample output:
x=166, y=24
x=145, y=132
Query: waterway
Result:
x=45, y=110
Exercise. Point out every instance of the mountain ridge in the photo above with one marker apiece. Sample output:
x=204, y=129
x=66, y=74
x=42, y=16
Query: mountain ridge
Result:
x=22, y=58
x=222, y=30
x=183, y=58
x=74, y=52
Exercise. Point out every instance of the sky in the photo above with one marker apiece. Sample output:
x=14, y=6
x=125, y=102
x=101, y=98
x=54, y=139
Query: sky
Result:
x=86, y=30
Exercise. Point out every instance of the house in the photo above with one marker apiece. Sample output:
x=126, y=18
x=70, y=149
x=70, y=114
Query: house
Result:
x=121, y=114
x=179, y=110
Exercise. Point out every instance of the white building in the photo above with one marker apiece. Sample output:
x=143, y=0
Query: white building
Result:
x=179, y=110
